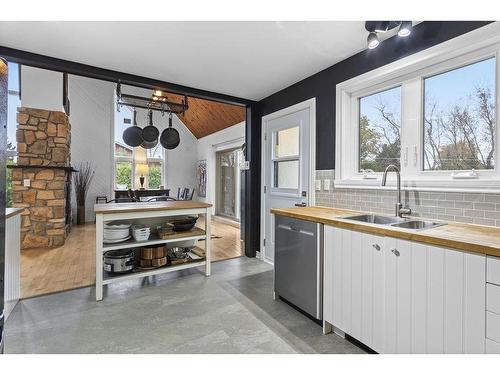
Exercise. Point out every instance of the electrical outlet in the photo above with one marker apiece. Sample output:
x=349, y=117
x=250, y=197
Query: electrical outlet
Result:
x=318, y=185
x=326, y=185
x=26, y=182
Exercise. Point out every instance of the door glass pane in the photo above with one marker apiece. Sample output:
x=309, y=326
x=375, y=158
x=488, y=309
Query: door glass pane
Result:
x=459, y=118
x=228, y=183
x=287, y=142
x=286, y=174
x=380, y=129
x=123, y=173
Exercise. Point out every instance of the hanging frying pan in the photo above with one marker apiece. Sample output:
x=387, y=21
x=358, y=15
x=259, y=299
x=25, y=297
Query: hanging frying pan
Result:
x=150, y=133
x=132, y=136
x=149, y=145
x=170, y=137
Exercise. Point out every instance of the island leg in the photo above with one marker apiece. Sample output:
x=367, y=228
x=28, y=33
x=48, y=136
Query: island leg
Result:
x=208, y=241
x=99, y=226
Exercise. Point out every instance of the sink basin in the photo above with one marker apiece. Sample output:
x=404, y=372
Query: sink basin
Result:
x=417, y=224
x=375, y=219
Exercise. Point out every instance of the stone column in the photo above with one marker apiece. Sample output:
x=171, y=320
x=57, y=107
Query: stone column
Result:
x=43, y=140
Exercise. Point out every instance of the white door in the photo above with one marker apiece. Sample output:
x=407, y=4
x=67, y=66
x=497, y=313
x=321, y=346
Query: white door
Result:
x=286, y=168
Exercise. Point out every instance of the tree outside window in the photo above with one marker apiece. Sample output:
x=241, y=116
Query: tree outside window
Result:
x=380, y=130
x=460, y=118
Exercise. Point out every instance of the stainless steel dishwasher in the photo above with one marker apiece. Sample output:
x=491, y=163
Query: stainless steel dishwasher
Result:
x=298, y=264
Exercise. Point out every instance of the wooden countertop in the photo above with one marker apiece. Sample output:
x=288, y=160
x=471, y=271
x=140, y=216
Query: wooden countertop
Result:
x=113, y=208
x=467, y=237
x=10, y=212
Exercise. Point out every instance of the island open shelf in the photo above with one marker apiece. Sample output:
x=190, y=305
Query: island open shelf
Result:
x=193, y=234
x=143, y=211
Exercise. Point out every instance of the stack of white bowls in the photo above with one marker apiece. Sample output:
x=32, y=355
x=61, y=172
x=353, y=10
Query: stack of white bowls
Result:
x=141, y=233
x=114, y=233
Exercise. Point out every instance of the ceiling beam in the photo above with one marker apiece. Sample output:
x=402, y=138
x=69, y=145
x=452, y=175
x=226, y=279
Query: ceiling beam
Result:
x=71, y=67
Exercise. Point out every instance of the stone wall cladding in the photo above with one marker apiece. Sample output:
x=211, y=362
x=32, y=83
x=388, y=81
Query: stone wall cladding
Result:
x=474, y=208
x=43, y=139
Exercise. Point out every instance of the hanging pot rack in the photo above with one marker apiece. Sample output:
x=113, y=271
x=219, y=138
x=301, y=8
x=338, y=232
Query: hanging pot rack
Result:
x=162, y=104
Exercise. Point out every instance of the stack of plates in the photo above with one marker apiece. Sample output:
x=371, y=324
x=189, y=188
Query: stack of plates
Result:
x=114, y=233
x=141, y=232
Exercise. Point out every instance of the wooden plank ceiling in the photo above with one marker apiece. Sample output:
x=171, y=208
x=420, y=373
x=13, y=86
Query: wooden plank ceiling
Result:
x=205, y=117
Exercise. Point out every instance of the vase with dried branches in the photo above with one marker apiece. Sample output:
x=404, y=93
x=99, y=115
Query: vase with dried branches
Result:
x=82, y=180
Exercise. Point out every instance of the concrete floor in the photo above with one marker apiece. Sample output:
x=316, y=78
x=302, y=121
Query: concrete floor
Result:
x=231, y=311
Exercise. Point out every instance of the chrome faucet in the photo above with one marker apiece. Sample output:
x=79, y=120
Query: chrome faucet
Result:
x=400, y=211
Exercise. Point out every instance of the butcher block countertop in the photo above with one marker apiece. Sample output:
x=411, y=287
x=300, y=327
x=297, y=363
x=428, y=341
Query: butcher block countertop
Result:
x=113, y=208
x=10, y=212
x=467, y=237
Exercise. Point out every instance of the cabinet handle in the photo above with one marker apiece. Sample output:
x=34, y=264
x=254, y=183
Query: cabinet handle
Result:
x=376, y=246
x=395, y=251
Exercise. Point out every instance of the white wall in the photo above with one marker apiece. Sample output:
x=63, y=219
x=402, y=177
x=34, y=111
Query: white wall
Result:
x=231, y=137
x=92, y=121
x=42, y=89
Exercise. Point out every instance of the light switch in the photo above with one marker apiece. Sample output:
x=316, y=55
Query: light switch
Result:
x=27, y=182
x=326, y=185
x=318, y=185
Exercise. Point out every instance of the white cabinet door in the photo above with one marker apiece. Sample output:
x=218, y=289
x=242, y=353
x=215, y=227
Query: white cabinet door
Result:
x=435, y=299
x=337, y=277
x=354, y=283
x=397, y=296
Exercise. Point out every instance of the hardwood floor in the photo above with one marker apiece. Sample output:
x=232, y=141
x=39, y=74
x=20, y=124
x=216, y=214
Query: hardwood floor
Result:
x=72, y=265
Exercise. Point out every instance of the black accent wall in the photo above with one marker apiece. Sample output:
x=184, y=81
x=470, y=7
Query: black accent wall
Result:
x=322, y=85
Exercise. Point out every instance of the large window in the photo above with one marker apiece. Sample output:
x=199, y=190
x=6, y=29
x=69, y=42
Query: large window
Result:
x=132, y=163
x=13, y=101
x=459, y=118
x=380, y=130
x=432, y=114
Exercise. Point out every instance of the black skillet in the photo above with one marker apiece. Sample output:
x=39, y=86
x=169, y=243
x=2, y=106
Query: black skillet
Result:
x=170, y=137
x=132, y=136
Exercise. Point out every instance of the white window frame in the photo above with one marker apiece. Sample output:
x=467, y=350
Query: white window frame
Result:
x=409, y=73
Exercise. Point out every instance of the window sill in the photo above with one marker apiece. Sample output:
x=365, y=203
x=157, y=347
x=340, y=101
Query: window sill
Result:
x=454, y=186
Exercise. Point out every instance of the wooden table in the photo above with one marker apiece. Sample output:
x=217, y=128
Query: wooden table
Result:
x=137, y=212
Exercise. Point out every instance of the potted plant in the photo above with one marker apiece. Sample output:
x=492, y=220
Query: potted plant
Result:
x=82, y=180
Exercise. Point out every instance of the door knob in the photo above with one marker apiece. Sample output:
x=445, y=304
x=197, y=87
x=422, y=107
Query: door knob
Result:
x=395, y=251
x=376, y=246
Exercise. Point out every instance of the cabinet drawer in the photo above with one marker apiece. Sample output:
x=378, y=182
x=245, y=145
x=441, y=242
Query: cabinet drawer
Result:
x=493, y=270
x=492, y=347
x=493, y=298
x=493, y=326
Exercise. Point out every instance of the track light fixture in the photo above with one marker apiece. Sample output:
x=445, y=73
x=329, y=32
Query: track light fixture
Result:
x=372, y=40
x=376, y=27
x=404, y=28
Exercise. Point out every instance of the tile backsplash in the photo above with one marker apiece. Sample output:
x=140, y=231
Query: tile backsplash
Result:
x=476, y=208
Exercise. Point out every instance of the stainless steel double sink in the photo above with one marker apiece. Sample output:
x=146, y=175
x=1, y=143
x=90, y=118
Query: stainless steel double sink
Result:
x=395, y=221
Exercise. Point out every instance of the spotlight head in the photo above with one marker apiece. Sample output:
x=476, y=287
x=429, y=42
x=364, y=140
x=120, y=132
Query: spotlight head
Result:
x=372, y=40
x=405, y=28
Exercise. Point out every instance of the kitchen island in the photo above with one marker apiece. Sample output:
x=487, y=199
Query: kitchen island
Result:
x=149, y=213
